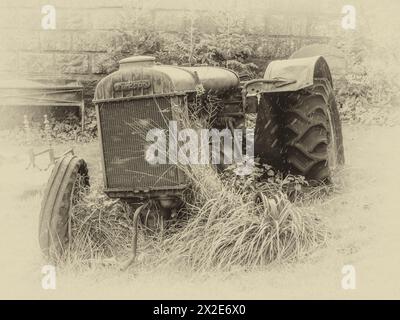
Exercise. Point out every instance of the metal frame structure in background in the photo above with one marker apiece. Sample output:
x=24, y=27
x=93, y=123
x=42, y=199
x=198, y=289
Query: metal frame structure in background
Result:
x=30, y=93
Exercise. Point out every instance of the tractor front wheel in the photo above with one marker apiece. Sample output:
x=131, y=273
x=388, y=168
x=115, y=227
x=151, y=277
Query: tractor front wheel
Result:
x=67, y=180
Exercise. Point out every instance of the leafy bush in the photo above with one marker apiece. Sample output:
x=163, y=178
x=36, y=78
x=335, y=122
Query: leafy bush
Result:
x=228, y=46
x=368, y=92
x=57, y=130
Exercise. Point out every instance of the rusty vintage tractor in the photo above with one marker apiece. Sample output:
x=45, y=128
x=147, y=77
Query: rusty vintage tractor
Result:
x=297, y=130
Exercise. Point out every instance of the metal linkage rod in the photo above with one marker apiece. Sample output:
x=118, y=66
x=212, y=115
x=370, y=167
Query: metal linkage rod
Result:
x=130, y=261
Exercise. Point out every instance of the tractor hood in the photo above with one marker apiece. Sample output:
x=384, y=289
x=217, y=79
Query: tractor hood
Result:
x=140, y=76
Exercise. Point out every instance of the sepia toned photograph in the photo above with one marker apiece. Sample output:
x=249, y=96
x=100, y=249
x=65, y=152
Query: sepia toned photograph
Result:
x=199, y=150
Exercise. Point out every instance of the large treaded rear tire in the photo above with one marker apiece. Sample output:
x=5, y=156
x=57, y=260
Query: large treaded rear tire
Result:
x=313, y=143
x=68, y=174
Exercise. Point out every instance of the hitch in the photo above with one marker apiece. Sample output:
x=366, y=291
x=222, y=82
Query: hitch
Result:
x=52, y=158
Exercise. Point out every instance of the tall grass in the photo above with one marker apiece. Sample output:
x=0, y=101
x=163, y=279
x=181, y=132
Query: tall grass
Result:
x=226, y=227
x=221, y=224
x=219, y=227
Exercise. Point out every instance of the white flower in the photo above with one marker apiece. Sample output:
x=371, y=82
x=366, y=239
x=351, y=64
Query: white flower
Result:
x=245, y=167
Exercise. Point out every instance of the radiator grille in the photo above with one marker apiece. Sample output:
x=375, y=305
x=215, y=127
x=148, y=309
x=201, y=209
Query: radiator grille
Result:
x=124, y=125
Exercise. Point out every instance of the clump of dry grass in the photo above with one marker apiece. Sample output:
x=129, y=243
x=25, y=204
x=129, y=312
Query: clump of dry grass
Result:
x=100, y=228
x=220, y=226
x=225, y=227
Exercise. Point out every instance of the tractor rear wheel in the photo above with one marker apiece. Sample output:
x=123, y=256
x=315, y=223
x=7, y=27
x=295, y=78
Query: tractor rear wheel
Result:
x=312, y=134
x=68, y=178
x=268, y=143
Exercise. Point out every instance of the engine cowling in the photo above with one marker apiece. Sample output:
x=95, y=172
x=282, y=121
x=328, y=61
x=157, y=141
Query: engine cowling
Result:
x=141, y=76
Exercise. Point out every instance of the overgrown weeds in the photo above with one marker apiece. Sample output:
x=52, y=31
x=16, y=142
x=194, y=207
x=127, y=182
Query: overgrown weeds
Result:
x=221, y=225
x=368, y=92
x=53, y=129
x=227, y=227
x=227, y=220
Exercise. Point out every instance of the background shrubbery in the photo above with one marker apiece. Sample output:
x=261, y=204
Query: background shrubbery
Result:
x=367, y=92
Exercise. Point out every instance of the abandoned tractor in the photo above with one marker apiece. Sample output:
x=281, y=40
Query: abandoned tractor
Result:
x=297, y=131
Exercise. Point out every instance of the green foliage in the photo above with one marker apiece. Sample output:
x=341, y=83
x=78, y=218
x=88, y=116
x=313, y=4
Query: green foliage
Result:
x=228, y=46
x=367, y=93
x=266, y=179
x=59, y=130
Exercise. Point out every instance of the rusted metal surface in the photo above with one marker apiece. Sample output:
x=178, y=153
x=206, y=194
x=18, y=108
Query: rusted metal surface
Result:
x=137, y=61
x=161, y=84
x=289, y=75
x=139, y=76
x=132, y=259
x=215, y=78
x=303, y=70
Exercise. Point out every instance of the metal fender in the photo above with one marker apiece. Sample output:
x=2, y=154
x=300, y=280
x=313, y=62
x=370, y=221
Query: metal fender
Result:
x=289, y=75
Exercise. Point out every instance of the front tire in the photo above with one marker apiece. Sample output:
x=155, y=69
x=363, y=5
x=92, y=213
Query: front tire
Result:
x=68, y=177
